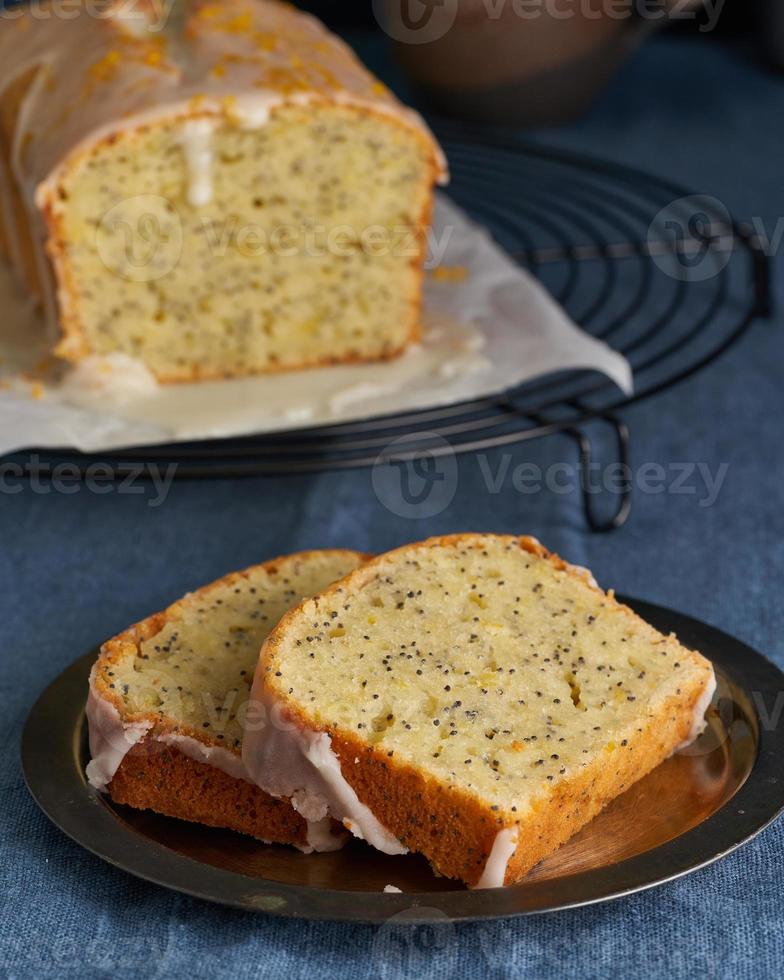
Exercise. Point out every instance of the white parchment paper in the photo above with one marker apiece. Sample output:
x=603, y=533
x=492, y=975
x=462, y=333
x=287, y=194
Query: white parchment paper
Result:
x=488, y=325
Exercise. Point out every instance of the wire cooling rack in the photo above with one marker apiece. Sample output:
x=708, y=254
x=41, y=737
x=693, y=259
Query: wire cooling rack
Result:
x=666, y=277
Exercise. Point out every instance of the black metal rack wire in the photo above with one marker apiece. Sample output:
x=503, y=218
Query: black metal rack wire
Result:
x=667, y=278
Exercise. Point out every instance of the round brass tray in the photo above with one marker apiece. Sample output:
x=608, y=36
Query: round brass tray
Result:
x=695, y=808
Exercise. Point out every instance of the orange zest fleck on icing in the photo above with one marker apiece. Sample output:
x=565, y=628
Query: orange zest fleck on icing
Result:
x=265, y=41
x=154, y=56
x=449, y=273
x=106, y=67
x=209, y=12
x=240, y=24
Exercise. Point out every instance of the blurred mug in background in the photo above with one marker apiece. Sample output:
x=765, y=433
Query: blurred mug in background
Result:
x=525, y=62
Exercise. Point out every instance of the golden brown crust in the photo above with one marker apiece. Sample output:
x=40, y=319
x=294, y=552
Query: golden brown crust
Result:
x=577, y=801
x=159, y=777
x=17, y=232
x=455, y=829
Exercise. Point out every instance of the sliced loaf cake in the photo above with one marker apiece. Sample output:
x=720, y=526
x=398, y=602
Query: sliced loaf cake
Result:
x=211, y=189
x=169, y=697
x=473, y=698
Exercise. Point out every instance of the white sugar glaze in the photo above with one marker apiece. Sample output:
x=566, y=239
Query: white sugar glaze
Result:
x=504, y=846
x=111, y=739
x=117, y=377
x=94, y=77
x=197, y=146
x=298, y=763
x=700, y=722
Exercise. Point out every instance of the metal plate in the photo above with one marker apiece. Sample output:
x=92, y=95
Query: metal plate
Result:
x=695, y=808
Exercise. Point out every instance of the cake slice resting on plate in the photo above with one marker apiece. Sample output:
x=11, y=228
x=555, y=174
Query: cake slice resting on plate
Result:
x=168, y=701
x=473, y=698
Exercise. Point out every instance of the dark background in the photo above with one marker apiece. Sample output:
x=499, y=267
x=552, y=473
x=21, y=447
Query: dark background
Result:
x=738, y=16
x=747, y=22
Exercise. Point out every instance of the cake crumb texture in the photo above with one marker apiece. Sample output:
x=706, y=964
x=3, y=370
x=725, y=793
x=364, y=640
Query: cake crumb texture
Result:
x=215, y=189
x=187, y=671
x=493, y=687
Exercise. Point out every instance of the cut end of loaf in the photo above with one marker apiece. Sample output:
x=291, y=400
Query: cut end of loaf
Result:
x=222, y=187
x=497, y=689
x=206, y=249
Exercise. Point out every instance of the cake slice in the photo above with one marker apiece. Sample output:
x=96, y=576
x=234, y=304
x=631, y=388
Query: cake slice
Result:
x=473, y=698
x=169, y=697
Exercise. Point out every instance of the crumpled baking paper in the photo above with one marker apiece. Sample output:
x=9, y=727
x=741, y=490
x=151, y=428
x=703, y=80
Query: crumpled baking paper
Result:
x=487, y=326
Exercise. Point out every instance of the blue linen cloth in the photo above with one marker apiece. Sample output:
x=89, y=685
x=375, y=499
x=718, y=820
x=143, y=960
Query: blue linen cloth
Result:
x=75, y=567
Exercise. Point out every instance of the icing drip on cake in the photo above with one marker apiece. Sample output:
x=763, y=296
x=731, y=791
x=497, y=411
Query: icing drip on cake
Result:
x=111, y=739
x=504, y=846
x=700, y=722
x=197, y=145
x=288, y=761
x=98, y=76
x=116, y=377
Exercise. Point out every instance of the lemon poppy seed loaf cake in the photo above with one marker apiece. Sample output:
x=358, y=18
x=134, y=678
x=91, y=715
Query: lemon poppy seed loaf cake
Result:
x=212, y=189
x=169, y=698
x=473, y=698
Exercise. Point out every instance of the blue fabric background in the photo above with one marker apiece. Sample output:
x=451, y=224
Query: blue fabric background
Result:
x=74, y=568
